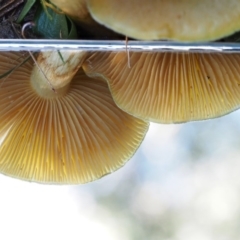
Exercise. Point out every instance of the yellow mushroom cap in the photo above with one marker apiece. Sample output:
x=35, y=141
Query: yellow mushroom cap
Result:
x=185, y=20
x=170, y=87
x=78, y=11
x=72, y=138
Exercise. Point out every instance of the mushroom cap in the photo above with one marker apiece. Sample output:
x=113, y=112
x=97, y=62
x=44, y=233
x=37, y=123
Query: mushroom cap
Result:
x=183, y=20
x=78, y=11
x=170, y=87
x=75, y=138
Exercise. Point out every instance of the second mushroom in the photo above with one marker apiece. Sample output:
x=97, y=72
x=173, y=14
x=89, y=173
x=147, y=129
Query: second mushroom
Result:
x=170, y=87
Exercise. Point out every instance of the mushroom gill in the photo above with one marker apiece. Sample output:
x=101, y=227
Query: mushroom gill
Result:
x=170, y=87
x=185, y=20
x=64, y=134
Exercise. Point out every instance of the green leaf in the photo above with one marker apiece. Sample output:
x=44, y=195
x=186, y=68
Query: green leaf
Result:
x=72, y=29
x=25, y=10
x=52, y=25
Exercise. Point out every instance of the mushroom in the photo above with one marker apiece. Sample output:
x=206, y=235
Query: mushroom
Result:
x=58, y=125
x=77, y=10
x=183, y=20
x=170, y=87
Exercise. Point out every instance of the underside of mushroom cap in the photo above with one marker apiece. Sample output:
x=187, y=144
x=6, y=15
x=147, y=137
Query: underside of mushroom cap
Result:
x=183, y=20
x=170, y=87
x=75, y=138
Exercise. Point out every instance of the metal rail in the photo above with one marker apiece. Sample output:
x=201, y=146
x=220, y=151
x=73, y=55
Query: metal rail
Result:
x=90, y=45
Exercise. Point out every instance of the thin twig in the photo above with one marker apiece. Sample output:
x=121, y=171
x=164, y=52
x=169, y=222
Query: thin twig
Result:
x=28, y=24
x=15, y=30
x=9, y=6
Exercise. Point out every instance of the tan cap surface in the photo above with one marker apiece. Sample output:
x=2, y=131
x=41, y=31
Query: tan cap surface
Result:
x=184, y=20
x=78, y=11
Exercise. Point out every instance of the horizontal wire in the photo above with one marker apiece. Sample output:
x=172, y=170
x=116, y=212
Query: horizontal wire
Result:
x=104, y=45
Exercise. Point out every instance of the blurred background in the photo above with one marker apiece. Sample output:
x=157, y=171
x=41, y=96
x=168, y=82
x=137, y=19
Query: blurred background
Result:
x=182, y=184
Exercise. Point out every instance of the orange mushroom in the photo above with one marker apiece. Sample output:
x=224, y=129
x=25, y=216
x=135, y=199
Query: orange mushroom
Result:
x=58, y=125
x=170, y=87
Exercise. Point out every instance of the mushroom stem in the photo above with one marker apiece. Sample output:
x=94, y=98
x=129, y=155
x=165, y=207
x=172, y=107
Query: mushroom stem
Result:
x=54, y=71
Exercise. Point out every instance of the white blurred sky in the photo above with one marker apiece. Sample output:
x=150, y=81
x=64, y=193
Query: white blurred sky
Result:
x=187, y=172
